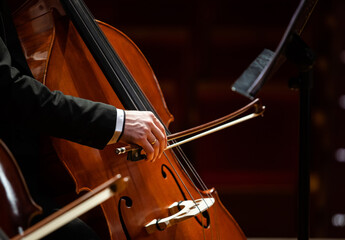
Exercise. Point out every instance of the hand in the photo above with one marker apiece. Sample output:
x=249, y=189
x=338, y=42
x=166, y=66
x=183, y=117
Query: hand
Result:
x=144, y=129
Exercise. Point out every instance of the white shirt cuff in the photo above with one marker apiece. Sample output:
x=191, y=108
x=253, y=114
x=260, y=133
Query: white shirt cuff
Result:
x=120, y=120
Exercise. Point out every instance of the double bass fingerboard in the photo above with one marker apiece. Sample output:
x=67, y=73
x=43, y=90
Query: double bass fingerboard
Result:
x=106, y=57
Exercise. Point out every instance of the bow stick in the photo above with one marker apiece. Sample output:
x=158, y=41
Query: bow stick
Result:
x=211, y=127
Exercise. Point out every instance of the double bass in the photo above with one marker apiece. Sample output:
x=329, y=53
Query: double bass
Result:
x=67, y=50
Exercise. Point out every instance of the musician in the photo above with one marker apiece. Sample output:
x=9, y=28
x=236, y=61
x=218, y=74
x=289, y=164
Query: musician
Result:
x=28, y=107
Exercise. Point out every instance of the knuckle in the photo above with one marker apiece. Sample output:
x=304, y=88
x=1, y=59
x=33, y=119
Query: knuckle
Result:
x=151, y=114
x=146, y=130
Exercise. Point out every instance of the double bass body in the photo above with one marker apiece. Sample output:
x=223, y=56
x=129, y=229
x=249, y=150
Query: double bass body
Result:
x=59, y=58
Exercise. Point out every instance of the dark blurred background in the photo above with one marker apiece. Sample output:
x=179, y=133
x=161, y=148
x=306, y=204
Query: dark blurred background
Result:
x=197, y=50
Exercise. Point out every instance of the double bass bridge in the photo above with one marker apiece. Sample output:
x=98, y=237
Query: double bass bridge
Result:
x=180, y=211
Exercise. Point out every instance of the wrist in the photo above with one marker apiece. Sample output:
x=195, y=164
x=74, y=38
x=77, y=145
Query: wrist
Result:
x=119, y=126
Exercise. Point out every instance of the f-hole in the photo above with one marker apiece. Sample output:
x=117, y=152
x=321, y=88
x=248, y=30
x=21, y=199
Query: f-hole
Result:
x=128, y=202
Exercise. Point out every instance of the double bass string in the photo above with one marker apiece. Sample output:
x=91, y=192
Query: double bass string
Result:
x=181, y=153
x=194, y=172
x=146, y=105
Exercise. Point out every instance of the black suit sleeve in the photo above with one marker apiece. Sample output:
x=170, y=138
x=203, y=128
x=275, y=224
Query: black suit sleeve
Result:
x=29, y=104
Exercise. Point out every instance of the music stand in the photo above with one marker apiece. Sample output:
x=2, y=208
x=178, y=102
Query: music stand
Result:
x=293, y=48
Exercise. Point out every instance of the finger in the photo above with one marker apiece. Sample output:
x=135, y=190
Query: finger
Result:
x=148, y=149
x=160, y=126
x=155, y=144
x=161, y=140
x=165, y=142
x=156, y=150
